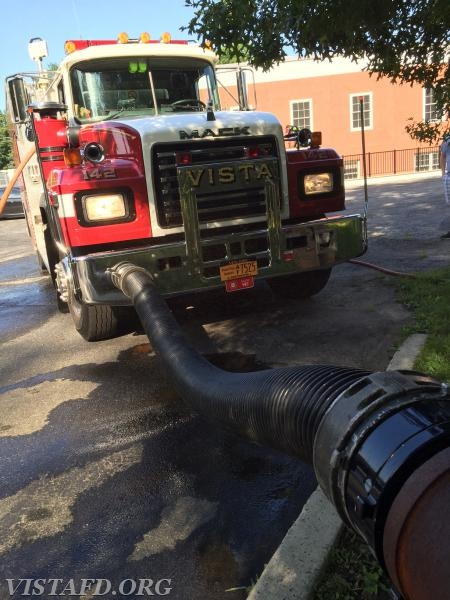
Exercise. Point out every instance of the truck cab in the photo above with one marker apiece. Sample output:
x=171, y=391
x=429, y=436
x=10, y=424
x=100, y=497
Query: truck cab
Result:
x=136, y=161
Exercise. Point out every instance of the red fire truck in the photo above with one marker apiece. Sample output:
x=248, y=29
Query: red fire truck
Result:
x=135, y=161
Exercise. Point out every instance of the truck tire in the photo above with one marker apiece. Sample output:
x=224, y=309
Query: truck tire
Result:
x=52, y=253
x=53, y=259
x=300, y=285
x=93, y=322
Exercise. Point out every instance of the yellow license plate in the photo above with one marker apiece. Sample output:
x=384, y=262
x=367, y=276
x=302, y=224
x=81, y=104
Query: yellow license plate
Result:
x=246, y=268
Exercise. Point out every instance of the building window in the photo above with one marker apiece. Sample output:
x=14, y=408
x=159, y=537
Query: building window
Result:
x=352, y=168
x=429, y=106
x=426, y=160
x=355, y=111
x=301, y=114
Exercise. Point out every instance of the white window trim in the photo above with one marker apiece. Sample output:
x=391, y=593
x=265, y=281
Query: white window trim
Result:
x=431, y=163
x=424, y=97
x=291, y=111
x=358, y=95
x=356, y=163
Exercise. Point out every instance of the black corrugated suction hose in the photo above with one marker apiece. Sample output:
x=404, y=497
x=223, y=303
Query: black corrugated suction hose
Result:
x=379, y=442
x=278, y=407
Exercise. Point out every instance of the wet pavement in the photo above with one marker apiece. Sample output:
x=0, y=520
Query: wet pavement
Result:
x=106, y=473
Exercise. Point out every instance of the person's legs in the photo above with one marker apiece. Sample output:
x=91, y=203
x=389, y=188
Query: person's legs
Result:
x=446, y=182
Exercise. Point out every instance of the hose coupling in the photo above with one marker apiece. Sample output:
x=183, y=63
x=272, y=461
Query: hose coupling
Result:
x=118, y=274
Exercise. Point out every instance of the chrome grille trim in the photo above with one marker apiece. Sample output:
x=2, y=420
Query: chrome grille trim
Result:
x=224, y=204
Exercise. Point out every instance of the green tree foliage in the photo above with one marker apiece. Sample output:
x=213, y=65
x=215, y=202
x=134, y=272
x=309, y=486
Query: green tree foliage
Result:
x=229, y=56
x=406, y=41
x=427, y=131
x=6, y=158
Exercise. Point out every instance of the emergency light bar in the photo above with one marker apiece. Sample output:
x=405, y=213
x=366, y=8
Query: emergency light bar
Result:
x=123, y=38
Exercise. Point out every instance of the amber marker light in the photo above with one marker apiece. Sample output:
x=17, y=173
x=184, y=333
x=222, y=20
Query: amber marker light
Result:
x=166, y=38
x=72, y=157
x=144, y=38
x=122, y=38
x=69, y=47
x=316, y=138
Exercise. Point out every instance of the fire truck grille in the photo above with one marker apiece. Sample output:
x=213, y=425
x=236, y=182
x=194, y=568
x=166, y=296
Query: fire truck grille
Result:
x=223, y=204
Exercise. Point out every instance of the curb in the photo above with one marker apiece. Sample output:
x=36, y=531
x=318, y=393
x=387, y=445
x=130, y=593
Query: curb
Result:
x=293, y=571
x=351, y=184
x=405, y=356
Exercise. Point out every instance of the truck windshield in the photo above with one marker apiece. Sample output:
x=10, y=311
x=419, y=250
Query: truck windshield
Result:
x=108, y=88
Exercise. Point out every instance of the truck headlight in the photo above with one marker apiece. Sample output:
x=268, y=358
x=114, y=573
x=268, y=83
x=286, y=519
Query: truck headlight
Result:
x=318, y=183
x=104, y=207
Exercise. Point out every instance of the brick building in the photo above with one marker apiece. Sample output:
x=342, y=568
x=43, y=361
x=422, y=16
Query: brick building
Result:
x=325, y=96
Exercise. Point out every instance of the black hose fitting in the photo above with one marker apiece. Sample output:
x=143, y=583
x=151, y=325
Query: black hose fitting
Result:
x=367, y=435
x=372, y=438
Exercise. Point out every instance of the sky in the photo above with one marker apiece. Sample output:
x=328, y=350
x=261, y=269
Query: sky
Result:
x=57, y=21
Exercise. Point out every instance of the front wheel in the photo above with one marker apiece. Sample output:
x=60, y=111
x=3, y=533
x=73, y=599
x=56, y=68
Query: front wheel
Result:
x=93, y=322
x=300, y=285
x=53, y=260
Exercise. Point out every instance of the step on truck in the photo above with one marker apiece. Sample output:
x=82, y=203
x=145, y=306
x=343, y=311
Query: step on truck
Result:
x=133, y=159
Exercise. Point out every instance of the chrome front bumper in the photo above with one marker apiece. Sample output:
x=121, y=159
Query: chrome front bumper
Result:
x=193, y=264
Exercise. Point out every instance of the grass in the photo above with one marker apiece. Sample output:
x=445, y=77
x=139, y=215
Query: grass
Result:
x=428, y=298
x=352, y=573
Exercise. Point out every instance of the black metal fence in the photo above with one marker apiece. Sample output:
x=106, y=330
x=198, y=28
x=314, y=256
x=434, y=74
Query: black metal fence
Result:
x=392, y=162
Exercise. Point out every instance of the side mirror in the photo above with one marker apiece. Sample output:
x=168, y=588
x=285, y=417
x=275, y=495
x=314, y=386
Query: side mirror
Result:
x=301, y=137
x=241, y=82
x=19, y=98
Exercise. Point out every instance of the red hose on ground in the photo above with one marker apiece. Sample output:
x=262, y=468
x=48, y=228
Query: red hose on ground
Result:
x=362, y=263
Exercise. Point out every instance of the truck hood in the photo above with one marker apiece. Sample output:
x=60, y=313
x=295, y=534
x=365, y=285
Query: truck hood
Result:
x=174, y=127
